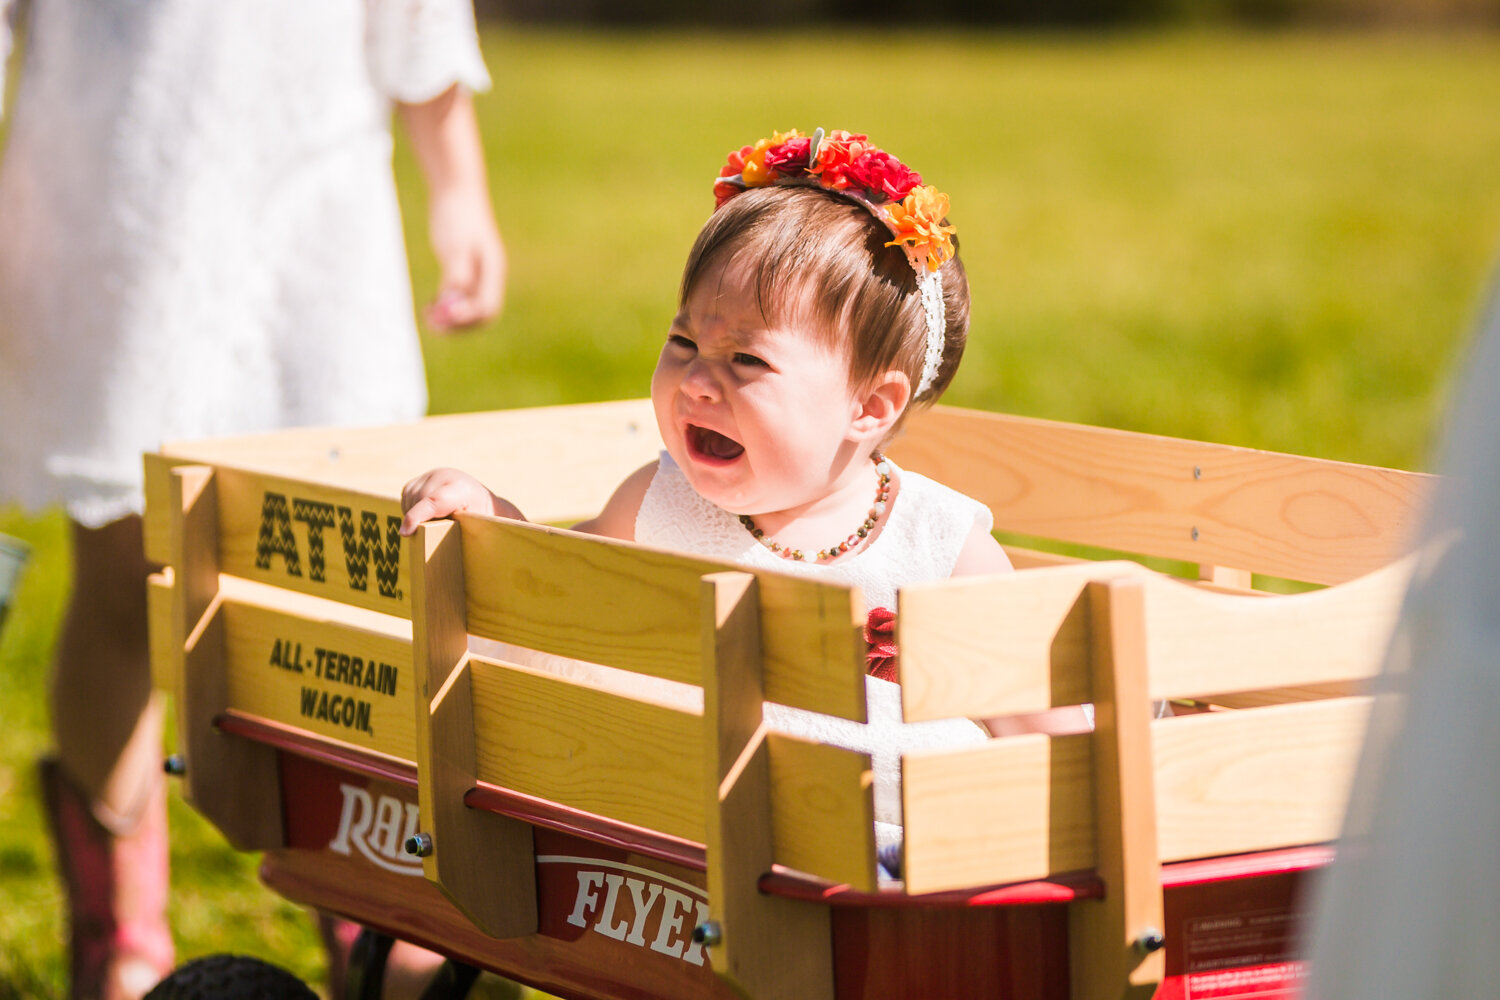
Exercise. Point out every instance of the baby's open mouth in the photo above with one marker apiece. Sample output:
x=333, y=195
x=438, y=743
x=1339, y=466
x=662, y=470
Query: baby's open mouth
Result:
x=712, y=444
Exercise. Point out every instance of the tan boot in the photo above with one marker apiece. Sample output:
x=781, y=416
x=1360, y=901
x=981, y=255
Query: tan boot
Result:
x=117, y=885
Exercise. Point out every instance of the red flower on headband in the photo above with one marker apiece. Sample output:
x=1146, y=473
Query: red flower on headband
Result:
x=734, y=168
x=790, y=157
x=881, y=175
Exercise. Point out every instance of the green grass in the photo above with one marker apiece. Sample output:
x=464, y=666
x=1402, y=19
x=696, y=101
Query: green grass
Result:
x=1269, y=240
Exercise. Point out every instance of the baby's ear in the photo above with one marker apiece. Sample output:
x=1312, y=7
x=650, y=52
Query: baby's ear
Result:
x=880, y=405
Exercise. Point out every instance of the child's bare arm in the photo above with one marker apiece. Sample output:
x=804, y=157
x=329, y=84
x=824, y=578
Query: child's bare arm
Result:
x=617, y=519
x=442, y=492
x=981, y=554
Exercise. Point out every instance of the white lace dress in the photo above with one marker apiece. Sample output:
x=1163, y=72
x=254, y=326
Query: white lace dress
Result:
x=199, y=232
x=923, y=534
x=925, y=530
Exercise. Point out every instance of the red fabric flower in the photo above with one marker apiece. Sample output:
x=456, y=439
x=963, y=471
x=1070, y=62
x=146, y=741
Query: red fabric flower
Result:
x=881, y=175
x=736, y=164
x=789, y=158
x=880, y=637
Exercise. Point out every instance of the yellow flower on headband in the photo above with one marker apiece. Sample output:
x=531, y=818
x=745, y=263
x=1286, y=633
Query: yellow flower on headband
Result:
x=754, y=172
x=917, y=221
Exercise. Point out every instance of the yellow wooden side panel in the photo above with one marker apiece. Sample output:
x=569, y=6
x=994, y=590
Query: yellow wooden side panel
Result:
x=313, y=539
x=1284, y=515
x=987, y=646
x=1262, y=778
x=156, y=524
x=637, y=608
x=329, y=679
x=822, y=811
x=1017, y=643
x=1226, y=783
x=1202, y=643
x=556, y=463
x=641, y=762
x=588, y=749
x=1009, y=810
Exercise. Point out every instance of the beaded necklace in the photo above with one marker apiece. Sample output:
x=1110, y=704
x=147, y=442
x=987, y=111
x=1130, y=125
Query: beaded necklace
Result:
x=877, y=510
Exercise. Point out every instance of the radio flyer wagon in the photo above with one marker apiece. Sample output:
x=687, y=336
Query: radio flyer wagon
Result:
x=595, y=843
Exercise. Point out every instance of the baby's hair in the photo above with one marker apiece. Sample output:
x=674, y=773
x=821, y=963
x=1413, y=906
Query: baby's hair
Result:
x=821, y=259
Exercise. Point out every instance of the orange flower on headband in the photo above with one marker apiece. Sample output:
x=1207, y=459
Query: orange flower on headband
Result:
x=917, y=221
x=847, y=162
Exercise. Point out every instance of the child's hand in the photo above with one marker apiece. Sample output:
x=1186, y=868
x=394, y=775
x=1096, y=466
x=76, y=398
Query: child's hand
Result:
x=443, y=492
x=472, y=259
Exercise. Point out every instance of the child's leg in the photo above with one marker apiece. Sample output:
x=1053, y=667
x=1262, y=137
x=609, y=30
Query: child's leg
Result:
x=105, y=791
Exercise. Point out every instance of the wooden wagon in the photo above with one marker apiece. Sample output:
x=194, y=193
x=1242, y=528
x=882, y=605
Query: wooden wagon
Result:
x=599, y=844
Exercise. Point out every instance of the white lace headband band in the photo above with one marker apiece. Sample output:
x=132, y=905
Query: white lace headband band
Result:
x=931, y=284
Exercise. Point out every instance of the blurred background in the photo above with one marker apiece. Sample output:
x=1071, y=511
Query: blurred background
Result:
x=1260, y=222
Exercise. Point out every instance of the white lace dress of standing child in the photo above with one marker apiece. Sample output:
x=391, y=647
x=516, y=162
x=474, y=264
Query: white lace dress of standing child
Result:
x=200, y=230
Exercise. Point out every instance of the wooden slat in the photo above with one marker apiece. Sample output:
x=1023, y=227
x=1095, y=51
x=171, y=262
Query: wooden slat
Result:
x=766, y=946
x=1225, y=576
x=1024, y=558
x=1283, y=515
x=481, y=861
x=589, y=749
x=1226, y=783
x=1257, y=779
x=570, y=457
x=812, y=643
x=1202, y=643
x=999, y=645
x=157, y=522
x=313, y=539
x=232, y=782
x=164, y=643
x=1010, y=810
x=1017, y=643
x=634, y=607
x=619, y=755
x=822, y=811
x=349, y=684
x=1105, y=959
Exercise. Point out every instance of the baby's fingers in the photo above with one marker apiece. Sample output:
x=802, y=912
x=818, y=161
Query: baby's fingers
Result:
x=427, y=508
x=430, y=496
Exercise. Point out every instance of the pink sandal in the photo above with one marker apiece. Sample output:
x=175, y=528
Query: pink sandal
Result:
x=117, y=890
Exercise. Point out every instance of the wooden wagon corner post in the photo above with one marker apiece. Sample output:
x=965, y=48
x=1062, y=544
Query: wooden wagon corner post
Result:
x=233, y=782
x=483, y=862
x=1116, y=944
x=764, y=947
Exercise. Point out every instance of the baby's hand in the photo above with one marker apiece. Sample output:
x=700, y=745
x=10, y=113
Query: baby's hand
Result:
x=442, y=492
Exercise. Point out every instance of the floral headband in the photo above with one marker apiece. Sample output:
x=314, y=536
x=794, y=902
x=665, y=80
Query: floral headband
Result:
x=849, y=164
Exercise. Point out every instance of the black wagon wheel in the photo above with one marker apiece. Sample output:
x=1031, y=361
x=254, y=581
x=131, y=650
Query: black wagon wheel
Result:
x=230, y=977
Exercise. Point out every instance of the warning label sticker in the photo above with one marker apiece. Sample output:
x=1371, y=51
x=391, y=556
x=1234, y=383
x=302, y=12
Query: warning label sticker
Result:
x=1262, y=982
x=1240, y=956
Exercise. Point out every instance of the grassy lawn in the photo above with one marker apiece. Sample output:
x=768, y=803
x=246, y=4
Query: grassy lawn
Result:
x=1268, y=240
